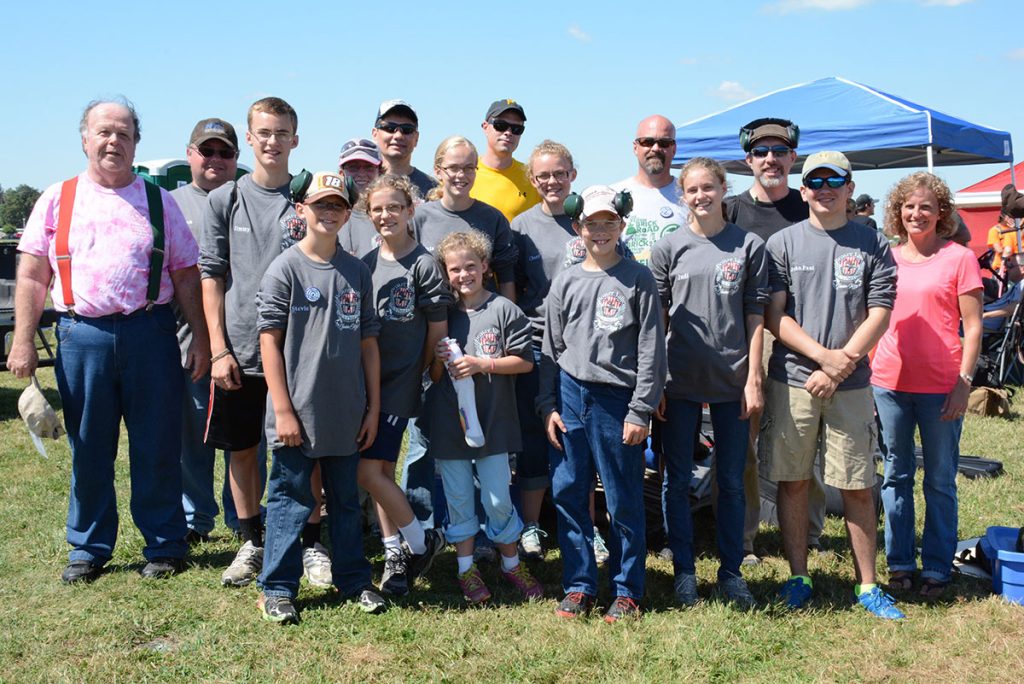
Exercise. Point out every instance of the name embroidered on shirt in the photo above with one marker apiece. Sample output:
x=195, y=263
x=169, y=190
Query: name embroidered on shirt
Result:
x=241, y=229
x=801, y=267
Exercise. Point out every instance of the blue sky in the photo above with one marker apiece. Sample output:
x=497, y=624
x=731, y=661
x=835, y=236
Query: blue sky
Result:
x=586, y=73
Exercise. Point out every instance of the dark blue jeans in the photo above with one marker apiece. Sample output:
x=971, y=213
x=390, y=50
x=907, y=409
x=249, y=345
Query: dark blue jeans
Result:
x=593, y=415
x=731, y=435
x=107, y=369
x=289, y=504
x=533, y=463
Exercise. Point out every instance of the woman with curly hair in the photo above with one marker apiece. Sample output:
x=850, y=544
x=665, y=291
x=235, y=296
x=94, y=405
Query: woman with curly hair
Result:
x=921, y=376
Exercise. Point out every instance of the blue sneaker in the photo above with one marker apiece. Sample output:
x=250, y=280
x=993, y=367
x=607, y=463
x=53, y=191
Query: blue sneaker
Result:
x=880, y=604
x=795, y=593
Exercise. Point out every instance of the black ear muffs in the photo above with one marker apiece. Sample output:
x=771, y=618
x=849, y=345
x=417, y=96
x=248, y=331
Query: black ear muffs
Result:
x=299, y=187
x=792, y=131
x=622, y=203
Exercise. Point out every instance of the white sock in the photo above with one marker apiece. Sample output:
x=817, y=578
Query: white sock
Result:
x=392, y=545
x=509, y=563
x=413, y=534
x=465, y=563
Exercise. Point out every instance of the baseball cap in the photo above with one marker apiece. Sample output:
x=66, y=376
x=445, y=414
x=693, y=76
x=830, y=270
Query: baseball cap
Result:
x=327, y=183
x=359, y=149
x=214, y=129
x=501, y=106
x=37, y=413
x=864, y=200
x=598, y=198
x=403, y=107
x=836, y=161
x=770, y=128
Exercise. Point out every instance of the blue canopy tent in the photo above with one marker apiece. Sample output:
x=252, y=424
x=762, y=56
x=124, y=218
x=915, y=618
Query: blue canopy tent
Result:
x=874, y=129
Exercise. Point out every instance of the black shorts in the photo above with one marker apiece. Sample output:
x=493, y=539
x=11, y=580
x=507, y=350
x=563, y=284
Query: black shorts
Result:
x=235, y=418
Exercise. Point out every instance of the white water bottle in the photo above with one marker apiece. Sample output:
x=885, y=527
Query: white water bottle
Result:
x=466, y=392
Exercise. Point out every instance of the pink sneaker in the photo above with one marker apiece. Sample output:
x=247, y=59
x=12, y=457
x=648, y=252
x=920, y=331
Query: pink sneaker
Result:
x=473, y=587
x=522, y=580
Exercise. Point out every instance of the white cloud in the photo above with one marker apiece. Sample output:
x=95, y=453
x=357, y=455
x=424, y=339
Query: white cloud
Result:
x=731, y=91
x=788, y=6
x=579, y=34
x=945, y=3
x=1016, y=53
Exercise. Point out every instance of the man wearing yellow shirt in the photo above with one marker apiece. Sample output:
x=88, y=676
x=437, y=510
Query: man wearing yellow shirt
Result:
x=501, y=181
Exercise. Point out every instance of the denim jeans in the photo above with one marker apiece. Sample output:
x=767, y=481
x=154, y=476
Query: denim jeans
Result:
x=289, y=503
x=593, y=415
x=731, y=436
x=502, y=524
x=899, y=413
x=110, y=368
x=197, y=462
x=533, y=470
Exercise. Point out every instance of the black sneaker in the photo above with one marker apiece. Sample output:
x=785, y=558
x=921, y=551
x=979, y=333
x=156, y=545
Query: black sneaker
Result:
x=575, y=604
x=368, y=600
x=279, y=609
x=80, y=571
x=418, y=564
x=193, y=538
x=395, y=580
x=624, y=608
x=159, y=568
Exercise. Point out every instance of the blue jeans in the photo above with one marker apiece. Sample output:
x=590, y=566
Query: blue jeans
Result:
x=197, y=461
x=289, y=504
x=533, y=469
x=593, y=415
x=107, y=369
x=503, y=524
x=731, y=436
x=899, y=413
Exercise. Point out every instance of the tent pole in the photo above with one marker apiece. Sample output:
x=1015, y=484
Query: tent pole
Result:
x=1016, y=221
x=931, y=160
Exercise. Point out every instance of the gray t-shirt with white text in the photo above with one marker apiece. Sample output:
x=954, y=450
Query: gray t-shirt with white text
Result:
x=432, y=222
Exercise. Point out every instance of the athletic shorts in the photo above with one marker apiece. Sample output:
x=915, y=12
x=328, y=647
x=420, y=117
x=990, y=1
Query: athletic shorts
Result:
x=389, y=439
x=235, y=418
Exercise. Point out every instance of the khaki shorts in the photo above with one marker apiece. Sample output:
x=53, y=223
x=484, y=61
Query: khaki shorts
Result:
x=793, y=422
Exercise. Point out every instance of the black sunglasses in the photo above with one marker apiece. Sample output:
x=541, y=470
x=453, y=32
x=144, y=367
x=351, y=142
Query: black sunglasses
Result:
x=501, y=126
x=210, y=152
x=761, y=151
x=391, y=127
x=650, y=142
x=819, y=183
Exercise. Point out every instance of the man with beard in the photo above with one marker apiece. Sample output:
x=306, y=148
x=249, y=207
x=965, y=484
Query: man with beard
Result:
x=657, y=210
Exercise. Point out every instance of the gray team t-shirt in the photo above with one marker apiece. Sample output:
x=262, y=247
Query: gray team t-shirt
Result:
x=605, y=327
x=541, y=241
x=408, y=293
x=424, y=183
x=432, y=222
x=832, y=278
x=358, y=236
x=245, y=227
x=495, y=330
x=326, y=310
x=192, y=202
x=709, y=286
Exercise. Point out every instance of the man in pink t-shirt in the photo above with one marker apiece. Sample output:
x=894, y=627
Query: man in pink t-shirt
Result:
x=117, y=354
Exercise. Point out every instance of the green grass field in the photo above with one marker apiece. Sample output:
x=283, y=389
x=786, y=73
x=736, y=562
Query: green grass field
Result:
x=189, y=628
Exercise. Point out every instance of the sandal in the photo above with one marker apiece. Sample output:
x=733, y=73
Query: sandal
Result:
x=900, y=581
x=932, y=588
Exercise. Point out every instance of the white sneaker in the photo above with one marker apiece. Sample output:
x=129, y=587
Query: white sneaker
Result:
x=316, y=566
x=243, y=569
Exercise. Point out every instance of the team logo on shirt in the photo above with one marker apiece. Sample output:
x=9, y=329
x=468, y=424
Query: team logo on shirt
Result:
x=727, y=275
x=347, y=308
x=488, y=343
x=401, y=302
x=610, y=311
x=293, y=229
x=849, y=271
x=575, y=252
x=312, y=294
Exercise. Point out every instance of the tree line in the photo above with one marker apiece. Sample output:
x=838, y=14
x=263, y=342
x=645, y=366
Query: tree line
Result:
x=15, y=206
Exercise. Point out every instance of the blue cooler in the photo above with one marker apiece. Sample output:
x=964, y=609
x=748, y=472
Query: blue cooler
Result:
x=1000, y=546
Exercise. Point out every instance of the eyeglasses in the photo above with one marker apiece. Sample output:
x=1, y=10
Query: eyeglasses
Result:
x=598, y=226
x=559, y=176
x=454, y=170
x=818, y=183
x=501, y=126
x=761, y=151
x=392, y=127
x=394, y=208
x=207, y=152
x=651, y=142
x=263, y=135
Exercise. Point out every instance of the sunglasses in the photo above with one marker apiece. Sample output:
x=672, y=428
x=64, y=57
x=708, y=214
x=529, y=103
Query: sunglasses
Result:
x=501, y=126
x=761, y=151
x=209, y=152
x=832, y=181
x=391, y=127
x=650, y=142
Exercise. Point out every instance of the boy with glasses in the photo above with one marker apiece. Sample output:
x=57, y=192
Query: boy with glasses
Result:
x=833, y=285
x=396, y=132
x=502, y=181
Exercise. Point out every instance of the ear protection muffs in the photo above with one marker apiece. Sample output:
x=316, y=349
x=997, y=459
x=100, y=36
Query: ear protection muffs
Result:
x=622, y=203
x=792, y=131
x=300, y=183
